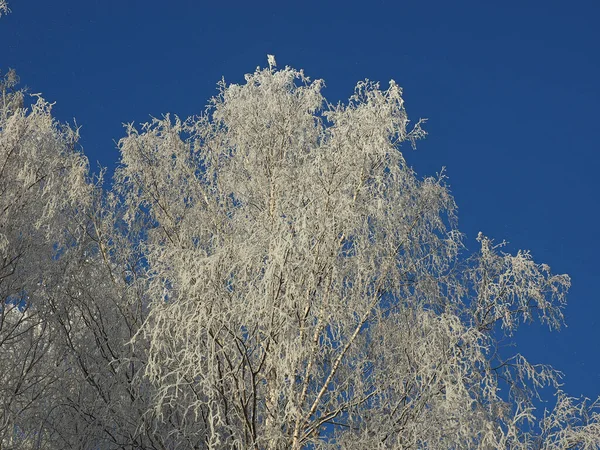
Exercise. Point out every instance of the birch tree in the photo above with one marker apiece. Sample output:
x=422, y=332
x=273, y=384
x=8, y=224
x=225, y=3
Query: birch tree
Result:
x=310, y=291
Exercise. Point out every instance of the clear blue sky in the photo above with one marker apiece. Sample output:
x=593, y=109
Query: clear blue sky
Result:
x=511, y=91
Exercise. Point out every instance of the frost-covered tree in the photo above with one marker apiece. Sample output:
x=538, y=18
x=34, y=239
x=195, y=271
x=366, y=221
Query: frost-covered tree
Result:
x=269, y=275
x=71, y=299
x=42, y=182
x=310, y=291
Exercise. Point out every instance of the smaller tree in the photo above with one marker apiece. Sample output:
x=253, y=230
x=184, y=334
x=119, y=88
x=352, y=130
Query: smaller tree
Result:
x=42, y=186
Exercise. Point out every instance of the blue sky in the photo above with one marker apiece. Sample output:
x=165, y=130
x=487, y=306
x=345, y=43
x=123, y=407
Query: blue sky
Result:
x=511, y=91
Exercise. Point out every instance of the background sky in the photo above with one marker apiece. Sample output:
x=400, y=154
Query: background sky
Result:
x=511, y=91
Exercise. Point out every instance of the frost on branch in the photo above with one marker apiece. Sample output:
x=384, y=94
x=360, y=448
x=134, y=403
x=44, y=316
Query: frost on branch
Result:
x=3, y=7
x=510, y=289
x=571, y=424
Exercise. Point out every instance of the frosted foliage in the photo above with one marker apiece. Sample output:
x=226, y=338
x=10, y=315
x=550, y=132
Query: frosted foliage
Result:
x=3, y=8
x=42, y=181
x=268, y=275
x=307, y=288
x=71, y=296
